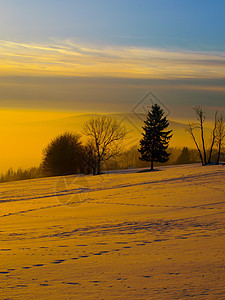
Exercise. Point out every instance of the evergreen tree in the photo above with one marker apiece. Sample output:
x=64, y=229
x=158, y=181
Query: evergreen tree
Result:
x=184, y=157
x=155, y=141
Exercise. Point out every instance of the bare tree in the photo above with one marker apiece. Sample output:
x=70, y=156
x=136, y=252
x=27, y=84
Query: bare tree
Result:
x=190, y=129
x=220, y=135
x=200, y=115
x=106, y=135
x=213, y=137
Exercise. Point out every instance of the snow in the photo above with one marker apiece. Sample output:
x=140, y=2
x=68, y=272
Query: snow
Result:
x=121, y=235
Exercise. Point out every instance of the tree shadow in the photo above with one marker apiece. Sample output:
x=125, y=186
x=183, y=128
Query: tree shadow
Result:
x=148, y=170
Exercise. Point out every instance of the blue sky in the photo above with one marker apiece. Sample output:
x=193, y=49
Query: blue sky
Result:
x=185, y=24
x=141, y=42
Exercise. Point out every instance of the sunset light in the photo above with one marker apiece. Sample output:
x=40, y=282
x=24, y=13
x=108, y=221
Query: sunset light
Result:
x=112, y=154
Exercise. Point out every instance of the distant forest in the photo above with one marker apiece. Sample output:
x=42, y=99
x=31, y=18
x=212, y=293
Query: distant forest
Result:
x=127, y=159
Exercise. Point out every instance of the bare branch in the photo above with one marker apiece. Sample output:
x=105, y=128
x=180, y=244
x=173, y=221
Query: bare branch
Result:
x=190, y=129
x=106, y=134
x=200, y=115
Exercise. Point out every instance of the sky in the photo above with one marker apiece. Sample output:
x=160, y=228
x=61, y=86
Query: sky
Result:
x=62, y=57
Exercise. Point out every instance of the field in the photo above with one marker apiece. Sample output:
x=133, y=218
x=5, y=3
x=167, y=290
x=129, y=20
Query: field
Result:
x=121, y=235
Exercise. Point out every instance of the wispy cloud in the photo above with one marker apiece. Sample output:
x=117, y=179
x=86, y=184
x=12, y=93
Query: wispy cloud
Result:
x=68, y=58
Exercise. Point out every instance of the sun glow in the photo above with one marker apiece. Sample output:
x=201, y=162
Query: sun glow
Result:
x=27, y=132
x=24, y=134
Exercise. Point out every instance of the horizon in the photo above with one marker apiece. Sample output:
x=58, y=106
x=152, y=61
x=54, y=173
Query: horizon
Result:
x=40, y=127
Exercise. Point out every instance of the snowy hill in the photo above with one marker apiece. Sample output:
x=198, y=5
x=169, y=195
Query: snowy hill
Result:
x=122, y=235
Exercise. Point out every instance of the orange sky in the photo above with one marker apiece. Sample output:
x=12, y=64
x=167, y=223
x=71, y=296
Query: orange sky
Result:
x=25, y=133
x=43, y=83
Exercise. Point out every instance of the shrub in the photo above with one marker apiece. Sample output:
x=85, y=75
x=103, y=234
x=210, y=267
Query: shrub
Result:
x=63, y=155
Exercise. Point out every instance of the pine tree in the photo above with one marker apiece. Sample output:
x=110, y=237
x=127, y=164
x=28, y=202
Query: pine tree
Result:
x=184, y=157
x=155, y=141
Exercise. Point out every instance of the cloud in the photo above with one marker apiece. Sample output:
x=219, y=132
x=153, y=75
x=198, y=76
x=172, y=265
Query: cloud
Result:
x=67, y=58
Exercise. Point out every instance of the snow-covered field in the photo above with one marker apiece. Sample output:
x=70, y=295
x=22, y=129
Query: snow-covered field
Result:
x=122, y=235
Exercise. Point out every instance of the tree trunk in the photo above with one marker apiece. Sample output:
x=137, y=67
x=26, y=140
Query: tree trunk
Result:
x=200, y=154
x=203, y=143
x=196, y=144
x=213, y=138
x=218, y=156
x=210, y=154
x=99, y=167
x=94, y=170
x=152, y=164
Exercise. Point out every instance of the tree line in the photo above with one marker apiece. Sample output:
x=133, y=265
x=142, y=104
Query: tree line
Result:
x=67, y=154
x=128, y=158
x=20, y=174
